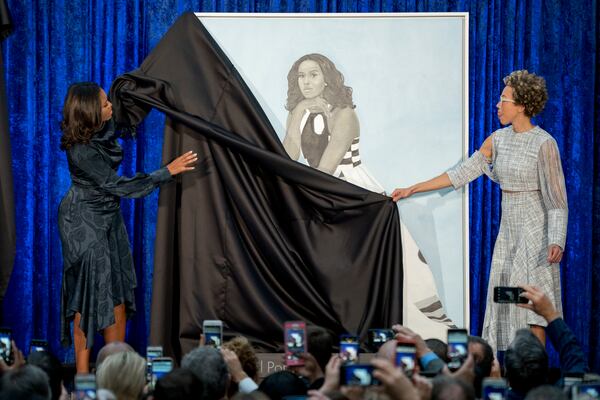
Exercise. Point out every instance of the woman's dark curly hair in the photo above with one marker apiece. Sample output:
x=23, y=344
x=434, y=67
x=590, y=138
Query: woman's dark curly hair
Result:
x=335, y=93
x=529, y=90
x=82, y=114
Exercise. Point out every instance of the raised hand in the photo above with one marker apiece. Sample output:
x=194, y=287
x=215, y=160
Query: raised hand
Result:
x=183, y=163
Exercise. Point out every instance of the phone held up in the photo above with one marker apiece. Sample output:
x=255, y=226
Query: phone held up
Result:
x=160, y=367
x=406, y=357
x=6, y=345
x=38, y=345
x=152, y=352
x=349, y=348
x=377, y=337
x=294, y=340
x=507, y=294
x=493, y=389
x=357, y=375
x=457, y=348
x=213, y=332
x=85, y=387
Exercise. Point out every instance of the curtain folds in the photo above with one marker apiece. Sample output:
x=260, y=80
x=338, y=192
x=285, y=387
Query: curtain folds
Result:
x=58, y=42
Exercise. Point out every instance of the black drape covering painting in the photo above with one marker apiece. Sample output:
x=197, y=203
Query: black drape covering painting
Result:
x=252, y=237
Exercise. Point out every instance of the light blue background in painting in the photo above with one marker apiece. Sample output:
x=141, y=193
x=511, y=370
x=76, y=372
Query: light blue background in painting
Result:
x=407, y=79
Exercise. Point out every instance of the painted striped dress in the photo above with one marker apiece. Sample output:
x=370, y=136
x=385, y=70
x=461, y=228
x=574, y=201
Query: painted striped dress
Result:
x=534, y=215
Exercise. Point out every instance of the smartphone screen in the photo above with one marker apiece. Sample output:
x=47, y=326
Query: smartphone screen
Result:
x=457, y=348
x=213, y=333
x=349, y=348
x=152, y=352
x=379, y=336
x=493, y=389
x=406, y=357
x=295, y=342
x=357, y=375
x=85, y=387
x=160, y=367
x=506, y=294
x=5, y=345
x=586, y=391
x=38, y=345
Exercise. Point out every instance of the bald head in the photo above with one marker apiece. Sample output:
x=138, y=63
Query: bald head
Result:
x=110, y=349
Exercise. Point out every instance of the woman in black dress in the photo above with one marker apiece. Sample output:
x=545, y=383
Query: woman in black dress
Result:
x=98, y=277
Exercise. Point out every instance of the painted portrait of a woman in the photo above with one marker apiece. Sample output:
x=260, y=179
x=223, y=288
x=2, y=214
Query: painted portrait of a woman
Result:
x=322, y=124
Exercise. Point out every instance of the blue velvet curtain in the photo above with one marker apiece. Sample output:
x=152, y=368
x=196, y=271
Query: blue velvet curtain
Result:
x=59, y=42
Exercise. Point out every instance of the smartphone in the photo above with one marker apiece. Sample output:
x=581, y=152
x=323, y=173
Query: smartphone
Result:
x=379, y=336
x=507, y=294
x=213, y=332
x=349, y=348
x=493, y=389
x=6, y=345
x=152, y=352
x=38, y=345
x=457, y=348
x=85, y=387
x=589, y=390
x=357, y=375
x=406, y=357
x=294, y=339
x=571, y=379
x=160, y=367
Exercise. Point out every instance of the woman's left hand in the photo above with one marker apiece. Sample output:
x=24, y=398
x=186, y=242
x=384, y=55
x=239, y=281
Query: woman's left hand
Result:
x=554, y=253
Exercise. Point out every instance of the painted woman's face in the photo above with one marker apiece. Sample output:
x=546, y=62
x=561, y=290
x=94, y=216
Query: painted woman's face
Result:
x=106, y=105
x=310, y=79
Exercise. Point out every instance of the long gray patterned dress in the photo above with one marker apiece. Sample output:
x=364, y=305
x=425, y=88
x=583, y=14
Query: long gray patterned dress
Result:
x=98, y=272
x=534, y=215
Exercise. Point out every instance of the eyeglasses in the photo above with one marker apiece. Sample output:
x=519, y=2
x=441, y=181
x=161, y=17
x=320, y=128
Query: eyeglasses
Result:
x=506, y=100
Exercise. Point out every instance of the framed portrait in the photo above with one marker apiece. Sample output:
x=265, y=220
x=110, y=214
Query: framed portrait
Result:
x=379, y=100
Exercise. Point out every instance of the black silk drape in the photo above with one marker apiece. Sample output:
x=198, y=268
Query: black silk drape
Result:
x=252, y=237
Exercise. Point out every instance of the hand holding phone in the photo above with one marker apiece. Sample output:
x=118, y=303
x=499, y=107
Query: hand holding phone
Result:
x=294, y=339
x=160, y=367
x=152, y=352
x=457, y=348
x=213, y=333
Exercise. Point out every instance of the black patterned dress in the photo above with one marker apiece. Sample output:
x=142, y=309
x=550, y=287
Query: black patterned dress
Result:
x=98, y=269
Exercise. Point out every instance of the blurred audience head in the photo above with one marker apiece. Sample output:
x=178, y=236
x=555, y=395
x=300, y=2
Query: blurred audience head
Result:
x=320, y=344
x=122, y=373
x=450, y=388
x=546, y=392
x=281, y=384
x=26, y=382
x=245, y=353
x=256, y=395
x=484, y=357
x=439, y=348
x=48, y=363
x=112, y=348
x=525, y=362
x=208, y=365
x=180, y=384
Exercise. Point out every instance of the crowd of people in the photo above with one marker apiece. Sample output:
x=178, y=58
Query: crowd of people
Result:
x=232, y=370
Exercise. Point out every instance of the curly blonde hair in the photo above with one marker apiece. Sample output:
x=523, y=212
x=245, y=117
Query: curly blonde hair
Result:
x=245, y=353
x=529, y=90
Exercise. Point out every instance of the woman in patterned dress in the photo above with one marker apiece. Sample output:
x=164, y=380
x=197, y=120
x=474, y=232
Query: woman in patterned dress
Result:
x=525, y=161
x=98, y=276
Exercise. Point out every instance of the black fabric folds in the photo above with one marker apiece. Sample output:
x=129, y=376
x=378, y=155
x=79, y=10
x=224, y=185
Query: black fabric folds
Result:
x=252, y=237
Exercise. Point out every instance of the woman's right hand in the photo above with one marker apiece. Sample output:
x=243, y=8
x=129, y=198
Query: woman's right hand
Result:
x=401, y=193
x=183, y=163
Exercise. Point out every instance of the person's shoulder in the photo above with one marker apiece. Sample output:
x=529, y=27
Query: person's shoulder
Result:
x=498, y=133
x=541, y=136
x=343, y=114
